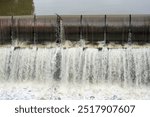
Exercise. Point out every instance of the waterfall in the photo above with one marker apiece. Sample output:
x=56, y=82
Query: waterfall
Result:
x=76, y=65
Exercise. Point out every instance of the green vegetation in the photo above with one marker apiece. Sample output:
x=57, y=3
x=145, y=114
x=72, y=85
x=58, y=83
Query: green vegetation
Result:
x=16, y=7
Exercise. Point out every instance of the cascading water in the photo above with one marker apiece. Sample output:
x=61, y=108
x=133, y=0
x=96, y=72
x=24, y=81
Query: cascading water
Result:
x=76, y=65
x=74, y=73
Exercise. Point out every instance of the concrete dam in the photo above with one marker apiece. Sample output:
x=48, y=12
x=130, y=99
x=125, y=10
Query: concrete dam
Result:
x=75, y=57
x=126, y=66
x=91, y=28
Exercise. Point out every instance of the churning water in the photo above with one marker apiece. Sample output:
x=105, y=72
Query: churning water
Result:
x=109, y=70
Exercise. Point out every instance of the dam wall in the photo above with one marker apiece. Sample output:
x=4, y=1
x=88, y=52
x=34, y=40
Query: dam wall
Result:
x=91, y=28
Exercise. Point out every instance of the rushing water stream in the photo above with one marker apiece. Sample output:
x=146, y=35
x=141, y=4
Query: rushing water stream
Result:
x=75, y=65
x=75, y=73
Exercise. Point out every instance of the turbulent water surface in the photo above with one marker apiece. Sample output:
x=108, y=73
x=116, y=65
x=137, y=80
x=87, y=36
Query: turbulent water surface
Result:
x=75, y=73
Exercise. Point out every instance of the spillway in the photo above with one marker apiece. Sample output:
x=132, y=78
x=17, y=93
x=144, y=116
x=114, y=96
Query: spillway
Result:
x=75, y=57
x=91, y=28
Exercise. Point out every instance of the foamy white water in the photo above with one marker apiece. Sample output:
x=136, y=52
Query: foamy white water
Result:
x=75, y=73
x=40, y=91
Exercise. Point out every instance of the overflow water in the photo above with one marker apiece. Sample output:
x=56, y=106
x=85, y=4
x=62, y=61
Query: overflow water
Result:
x=76, y=65
x=74, y=73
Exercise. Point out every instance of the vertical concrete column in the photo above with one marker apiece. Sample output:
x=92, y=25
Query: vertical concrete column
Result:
x=148, y=38
x=34, y=29
x=130, y=30
x=12, y=29
x=59, y=29
x=81, y=27
x=105, y=29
